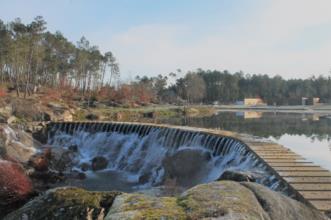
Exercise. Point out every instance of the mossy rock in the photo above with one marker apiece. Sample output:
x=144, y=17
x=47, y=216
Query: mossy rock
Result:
x=221, y=200
x=139, y=206
x=66, y=203
x=280, y=207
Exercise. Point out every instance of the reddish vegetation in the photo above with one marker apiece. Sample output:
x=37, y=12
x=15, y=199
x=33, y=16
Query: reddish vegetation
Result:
x=3, y=92
x=14, y=184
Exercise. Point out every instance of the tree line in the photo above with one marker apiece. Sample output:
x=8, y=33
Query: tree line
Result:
x=31, y=56
x=207, y=86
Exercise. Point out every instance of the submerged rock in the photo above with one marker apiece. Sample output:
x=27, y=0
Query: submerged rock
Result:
x=66, y=203
x=139, y=206
x=99, y=163
x=186, y=165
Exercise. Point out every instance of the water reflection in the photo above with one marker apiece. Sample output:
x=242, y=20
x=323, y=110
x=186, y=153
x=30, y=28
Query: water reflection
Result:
x=306, y=134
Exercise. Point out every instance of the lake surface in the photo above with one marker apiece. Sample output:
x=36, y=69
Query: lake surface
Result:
x=308, y=135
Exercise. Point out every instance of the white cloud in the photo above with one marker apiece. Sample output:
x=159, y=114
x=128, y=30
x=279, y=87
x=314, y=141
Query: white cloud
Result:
x=256, y=45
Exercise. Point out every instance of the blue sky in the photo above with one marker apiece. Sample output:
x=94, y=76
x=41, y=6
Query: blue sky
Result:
x=291, y=38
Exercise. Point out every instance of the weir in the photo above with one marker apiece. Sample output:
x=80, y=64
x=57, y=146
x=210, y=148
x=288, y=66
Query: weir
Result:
x=145, y=154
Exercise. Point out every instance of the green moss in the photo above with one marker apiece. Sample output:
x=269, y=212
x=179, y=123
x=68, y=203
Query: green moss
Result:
x=66, y=203
x=139, y=206
x=219, y=199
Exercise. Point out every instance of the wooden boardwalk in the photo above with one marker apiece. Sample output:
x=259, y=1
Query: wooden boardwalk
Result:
x=312, y=182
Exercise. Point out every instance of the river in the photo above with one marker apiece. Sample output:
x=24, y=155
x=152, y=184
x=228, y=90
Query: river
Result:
x=306, y=134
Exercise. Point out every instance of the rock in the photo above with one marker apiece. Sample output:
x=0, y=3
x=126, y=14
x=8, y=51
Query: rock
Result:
x=73, y=148
x=237, y=176
x=139, y=206
x=41, y=179
x=62, y=160
x=15, y=186
x=39, y=162
x=11, y=120
x=92, y=117
x=144, y=178
x=85, y=166
x=221, y=200
x=186, y=166
x=42, y=116
x=3, y=119
x=17, y=144
x=328, y=213
x=280, y=207
x=67, y=116
x=66, y=203
x=99, y=163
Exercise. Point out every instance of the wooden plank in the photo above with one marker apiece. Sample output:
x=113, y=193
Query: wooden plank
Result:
x=308, y=179
x=272, y=153
x=318, y=195
x=282, y=157
x=321, y=205
x=293, y=164
x=289, y=168
x=304, y=173
x=312, y=186
x=284, y=160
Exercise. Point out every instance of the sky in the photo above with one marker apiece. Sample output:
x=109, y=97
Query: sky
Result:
x=291, y=38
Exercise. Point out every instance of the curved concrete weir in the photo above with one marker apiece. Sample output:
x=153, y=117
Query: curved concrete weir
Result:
x=142, y=156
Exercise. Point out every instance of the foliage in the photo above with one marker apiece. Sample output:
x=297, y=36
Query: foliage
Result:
x=30, y=56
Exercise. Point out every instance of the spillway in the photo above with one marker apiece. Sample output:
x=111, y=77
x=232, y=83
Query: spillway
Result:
x=142, y=156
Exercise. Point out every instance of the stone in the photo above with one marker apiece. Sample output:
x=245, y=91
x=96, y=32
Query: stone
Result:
x=73, y=148
x=11, y=120
x=85, y=166
x=99, y=163
x=16, y=144
x=140, y=206
x=67, y=116
x=15, y=186
x=280, y=207
x=221, y=200
x=187, y=166
x=66, y=203
x=144, y=178
x=237, y=176
x=39, y=162
x=62, y=159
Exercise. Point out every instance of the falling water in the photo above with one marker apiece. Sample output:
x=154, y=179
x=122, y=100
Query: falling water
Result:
x=141, y=157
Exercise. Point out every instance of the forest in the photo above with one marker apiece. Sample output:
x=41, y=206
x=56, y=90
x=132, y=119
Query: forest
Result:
x=32, y=57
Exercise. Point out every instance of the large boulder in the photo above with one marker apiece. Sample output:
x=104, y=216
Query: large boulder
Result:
x=66, y=203
x=280, y=207
x=221, y=200
x=17, y=144
x=15, y=186
x=186, y=166
x=140, y=206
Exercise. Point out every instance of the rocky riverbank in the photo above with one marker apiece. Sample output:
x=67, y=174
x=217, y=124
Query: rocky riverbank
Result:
x=30, y=174
x=216, y=200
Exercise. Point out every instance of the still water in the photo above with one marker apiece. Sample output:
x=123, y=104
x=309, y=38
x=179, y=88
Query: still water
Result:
x=306, y=134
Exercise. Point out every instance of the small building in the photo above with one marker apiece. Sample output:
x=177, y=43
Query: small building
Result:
x=310, y=100
x=253, y=101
